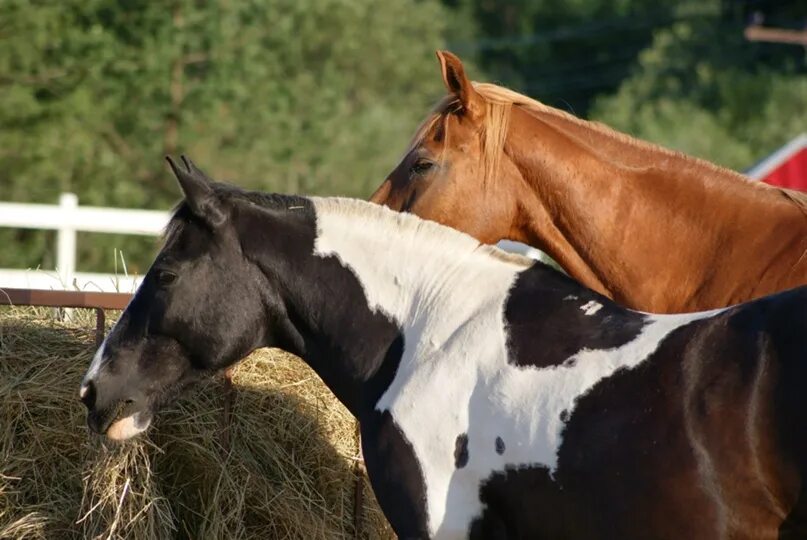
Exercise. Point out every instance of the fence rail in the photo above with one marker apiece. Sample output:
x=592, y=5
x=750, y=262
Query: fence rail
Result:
x=81, y=281
x=67, y=218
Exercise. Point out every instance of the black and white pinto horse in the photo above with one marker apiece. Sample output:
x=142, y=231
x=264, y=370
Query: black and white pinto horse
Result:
x=497, y=398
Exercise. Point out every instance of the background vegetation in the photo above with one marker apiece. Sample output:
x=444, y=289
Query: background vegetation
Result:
x=321, y=96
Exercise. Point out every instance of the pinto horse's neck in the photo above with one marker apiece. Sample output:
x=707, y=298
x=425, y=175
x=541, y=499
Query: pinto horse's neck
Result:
x=629, y=220
x=357, y=277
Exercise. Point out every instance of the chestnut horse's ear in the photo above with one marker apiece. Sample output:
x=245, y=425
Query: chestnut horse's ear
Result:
x=198, y=191
x=458, y=83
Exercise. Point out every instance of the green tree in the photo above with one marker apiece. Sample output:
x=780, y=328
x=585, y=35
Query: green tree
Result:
x=566, y=53
x=561, y=52
x=311, y=96
x=703, y=89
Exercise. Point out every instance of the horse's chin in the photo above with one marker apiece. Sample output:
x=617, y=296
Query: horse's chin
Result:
x=128, y=426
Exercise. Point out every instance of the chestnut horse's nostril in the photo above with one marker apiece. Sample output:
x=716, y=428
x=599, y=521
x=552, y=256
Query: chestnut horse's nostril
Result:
x=87, y=394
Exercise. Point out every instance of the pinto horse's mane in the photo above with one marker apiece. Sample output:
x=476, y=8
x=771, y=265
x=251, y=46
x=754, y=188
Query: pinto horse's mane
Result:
x=411, y=228
x=181, y=213
x=387, y=222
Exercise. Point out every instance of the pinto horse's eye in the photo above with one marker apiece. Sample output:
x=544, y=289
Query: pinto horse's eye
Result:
x=421, y=167
x=165, y=278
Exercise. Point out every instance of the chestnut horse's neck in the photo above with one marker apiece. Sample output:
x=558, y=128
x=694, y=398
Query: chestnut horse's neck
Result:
x=653, y=229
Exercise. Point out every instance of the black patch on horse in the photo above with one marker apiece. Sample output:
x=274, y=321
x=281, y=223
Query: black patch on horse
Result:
x=521, y=502
x=598, y=454
x=358, y=368
x=370, y=344
x=461, y=451
x=395, y=475
x=546, y=325
x=499, y=446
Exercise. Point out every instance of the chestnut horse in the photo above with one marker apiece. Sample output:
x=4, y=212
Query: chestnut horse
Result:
x=653, y=229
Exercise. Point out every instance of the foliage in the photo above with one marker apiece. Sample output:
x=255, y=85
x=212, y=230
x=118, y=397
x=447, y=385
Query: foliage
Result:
x=702, y=89
x=561, y=52
x=312, y=96
x=320, y=96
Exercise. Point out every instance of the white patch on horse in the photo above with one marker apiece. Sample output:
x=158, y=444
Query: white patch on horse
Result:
x=98, y=359
x=590, y=308
x=95, y=367
x=570, y=297
x=449, y=299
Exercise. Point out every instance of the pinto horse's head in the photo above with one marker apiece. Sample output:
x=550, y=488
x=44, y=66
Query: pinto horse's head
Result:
x=199, y=309
x=455, y=170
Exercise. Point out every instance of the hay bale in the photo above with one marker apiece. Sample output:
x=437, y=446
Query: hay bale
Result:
x=289, y=471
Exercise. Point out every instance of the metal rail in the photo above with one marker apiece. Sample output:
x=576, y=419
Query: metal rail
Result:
x=99, y=301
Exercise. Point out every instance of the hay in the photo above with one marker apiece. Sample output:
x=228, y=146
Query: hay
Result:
x=289, y=472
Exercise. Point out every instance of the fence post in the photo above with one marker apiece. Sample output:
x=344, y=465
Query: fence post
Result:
x=66, y=241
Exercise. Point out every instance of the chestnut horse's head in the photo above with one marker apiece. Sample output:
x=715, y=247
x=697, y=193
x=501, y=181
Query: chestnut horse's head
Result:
x=455, y=170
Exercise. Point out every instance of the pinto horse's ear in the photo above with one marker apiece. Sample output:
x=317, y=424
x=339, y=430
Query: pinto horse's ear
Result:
x=458, y=83
x=198, y=191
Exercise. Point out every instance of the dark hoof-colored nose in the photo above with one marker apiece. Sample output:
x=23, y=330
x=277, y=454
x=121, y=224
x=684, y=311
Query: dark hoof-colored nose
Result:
x=87, y=394
x=99, y=422
x=99, y=416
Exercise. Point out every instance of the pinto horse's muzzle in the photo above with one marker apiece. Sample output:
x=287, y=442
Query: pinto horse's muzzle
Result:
x=119, y=419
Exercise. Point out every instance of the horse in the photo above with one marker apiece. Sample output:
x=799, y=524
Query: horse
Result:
x=497, y=397
x=655, y=230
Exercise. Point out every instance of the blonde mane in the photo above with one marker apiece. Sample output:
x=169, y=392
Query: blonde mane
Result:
x=497, y=119
x=494, y=94
x=499, y=101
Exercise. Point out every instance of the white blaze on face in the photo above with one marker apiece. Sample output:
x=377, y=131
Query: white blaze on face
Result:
x=123, y=428
x=98, y=358
x=95, y=367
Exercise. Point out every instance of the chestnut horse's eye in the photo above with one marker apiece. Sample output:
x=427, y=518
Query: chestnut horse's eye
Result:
x=421, y=167
x=165, y=278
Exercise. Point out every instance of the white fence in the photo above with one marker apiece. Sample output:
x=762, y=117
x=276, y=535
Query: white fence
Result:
x=68, y=218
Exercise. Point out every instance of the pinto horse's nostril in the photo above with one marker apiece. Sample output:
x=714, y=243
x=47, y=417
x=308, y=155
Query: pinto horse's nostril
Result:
x=87, y=394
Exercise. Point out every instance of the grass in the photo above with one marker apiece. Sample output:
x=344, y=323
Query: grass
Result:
x=289, y=471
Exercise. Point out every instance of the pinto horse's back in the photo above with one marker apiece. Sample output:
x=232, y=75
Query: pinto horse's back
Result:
x=763, y=358
x=707, y=439
x=776, y=327
x=787, y=327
